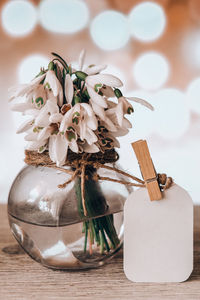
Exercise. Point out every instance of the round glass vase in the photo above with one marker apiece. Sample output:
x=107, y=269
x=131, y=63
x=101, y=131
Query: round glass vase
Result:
x=49, y=223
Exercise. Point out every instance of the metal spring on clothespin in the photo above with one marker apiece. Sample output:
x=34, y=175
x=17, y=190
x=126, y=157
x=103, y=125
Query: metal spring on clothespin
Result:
x=147, y=169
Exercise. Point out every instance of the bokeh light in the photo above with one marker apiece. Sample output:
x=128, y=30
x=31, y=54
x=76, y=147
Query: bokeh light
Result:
x=63, y=16
x=19, y=17
x=193, y=95
x=191, y=49
x=151, y=70
x=172, y=116
x=30, y=67
x=110, y=30
x=176, y=160
x=147, y=21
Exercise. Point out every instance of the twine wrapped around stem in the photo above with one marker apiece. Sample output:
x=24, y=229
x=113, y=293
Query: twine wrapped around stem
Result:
x=79, y=163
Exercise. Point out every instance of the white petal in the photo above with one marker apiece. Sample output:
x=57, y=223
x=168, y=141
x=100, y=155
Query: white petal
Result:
x=53, y=81
x=61, y=147
x=82, y=128
x=52, y=106
x=98, y=99
x=65, y=121
x=119, y=113
x=90, y=148
x=44, y=133
x=38, y=79
x=109, y=125
x=35, y=145
x=52, y=152
x=88, y=109
x=106, y=79
x=25, y=126
x=81, y=59
x=73, y=146
x=69, y=89
x=31, y=136
x=38, y=92
x=126, y=123
x=91, y=122
x=43, y=117
x=141, y=101
x=115, y=114
x=20, y=107
x=67, y=118
x=60, y=97
x=89, y=117
x=56, y=118
x=32, y=112
x=90, y=137
x=19, y=90
x=99, y=111
x=95, y=69
x=120, y=132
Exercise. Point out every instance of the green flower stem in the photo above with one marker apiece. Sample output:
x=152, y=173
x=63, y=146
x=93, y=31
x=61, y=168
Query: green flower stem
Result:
x=101, y=243
x=91, y=232
x=111, y=232
x=103, y=236
x=101, y=229
x=86, y=235
x=96, y=232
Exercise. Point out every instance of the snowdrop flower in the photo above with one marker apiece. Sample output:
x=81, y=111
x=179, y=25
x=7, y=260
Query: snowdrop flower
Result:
x=82, y=119
x=52, y=83
x=100, y=79
x=116, y=112
x=77, y=114
x=35, y=99
x=44, y=116
x=40, y=120
x=23, y=89
x=59, y=144
x=141, y=101
x=25, y=126
x=69, y=89
x=81, y=60
x=98, y=102
x=115, y=115
x=92, y=69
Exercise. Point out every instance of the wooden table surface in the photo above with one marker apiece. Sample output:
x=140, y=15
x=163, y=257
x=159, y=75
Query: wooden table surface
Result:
x=21, y=278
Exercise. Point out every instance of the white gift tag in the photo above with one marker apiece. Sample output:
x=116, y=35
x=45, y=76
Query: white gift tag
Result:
x=158, y=237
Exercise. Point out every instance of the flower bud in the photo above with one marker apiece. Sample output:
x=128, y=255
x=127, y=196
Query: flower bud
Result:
x=81, y=75
x=51, y=65
x=118, y=93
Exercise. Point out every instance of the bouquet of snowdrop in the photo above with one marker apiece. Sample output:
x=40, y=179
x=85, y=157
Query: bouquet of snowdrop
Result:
x=82, y=110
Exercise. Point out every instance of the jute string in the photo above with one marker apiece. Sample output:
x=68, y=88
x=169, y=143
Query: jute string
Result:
x=79, y=163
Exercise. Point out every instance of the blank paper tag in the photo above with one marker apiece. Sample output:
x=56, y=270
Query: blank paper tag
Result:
x=158, y=237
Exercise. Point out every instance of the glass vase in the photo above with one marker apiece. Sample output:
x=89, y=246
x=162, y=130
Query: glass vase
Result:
x=49, y=222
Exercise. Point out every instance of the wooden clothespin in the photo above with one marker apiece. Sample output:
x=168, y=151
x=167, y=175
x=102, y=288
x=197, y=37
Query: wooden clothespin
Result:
x=147, y=169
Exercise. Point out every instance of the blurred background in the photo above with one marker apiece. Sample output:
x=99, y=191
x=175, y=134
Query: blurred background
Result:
x=152, y=46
